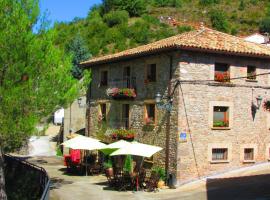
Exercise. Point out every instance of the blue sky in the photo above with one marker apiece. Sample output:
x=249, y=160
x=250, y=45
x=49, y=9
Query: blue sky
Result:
x=66, y=10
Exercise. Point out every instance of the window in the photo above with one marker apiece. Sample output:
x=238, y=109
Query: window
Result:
x=150, y=114
x=219, y=154
x=125, y=116
x=104, y=78
x=151, y=73
x=249, y=154
x=222, y=73
x=251, y=72
x=103, y=112
x=221, y=116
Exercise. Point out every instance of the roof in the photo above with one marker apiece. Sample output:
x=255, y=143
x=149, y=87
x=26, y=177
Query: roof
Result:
x=203, y=40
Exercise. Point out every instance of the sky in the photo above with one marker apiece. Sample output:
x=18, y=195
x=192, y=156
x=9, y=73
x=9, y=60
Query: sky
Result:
x=66, y=10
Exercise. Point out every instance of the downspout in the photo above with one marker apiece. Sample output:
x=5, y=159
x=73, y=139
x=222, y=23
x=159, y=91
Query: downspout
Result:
x=88, y=109
x=168, y=122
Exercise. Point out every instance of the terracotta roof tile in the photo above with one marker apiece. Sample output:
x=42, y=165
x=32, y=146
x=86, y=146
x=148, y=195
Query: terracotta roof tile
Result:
x=203, y=39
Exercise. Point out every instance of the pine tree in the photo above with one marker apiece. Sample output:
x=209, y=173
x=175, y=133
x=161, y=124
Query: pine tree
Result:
x=80, y=53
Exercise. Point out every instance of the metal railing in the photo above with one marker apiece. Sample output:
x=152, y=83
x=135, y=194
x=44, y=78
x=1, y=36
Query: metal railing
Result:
x=129, y=82
x=36, y=176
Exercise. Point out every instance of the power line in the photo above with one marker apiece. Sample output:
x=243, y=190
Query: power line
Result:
x=211, y=80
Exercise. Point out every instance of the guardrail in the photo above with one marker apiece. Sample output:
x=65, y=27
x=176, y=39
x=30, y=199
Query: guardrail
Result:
x=32, y=174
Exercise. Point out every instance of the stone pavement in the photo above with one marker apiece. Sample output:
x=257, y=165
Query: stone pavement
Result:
x=244, y=184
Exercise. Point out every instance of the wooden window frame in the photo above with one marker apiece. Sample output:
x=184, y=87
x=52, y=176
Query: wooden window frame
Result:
x=146, y=112
x=146, y=73
x=129, y=113
x=101, y=112
x=101, y=84
x=251, y=76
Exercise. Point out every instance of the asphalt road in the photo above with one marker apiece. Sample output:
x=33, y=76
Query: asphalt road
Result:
x=249, y=184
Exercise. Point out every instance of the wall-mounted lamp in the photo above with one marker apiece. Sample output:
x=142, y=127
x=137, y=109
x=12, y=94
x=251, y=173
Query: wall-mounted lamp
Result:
x=259, y=101
x=166, y=105
x=79, y=101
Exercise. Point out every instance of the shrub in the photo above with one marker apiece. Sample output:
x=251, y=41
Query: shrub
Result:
x=265, y=25
x=209, y=2
x=171, y=3
x=219, y=21
x=161, y=172
x=133, y=7
x=116, y=17
x=128, y=164
x=182, y=29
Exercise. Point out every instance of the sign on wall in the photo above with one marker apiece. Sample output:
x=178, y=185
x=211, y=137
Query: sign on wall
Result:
x=183, y=137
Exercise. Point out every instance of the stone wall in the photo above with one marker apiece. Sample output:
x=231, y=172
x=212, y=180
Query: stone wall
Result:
x=246, y=130
x=74, y=118
x=145, y=94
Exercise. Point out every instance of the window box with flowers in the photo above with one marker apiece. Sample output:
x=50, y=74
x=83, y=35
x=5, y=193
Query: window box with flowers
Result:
x=124, y=93
x=222, y=77
x=123, y=134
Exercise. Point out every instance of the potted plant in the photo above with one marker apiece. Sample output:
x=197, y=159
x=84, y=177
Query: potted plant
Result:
x=149, y=125
x=221, y=124
x=162, y=176
x=108, y=168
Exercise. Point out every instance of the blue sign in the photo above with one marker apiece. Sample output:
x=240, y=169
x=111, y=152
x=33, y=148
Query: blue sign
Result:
x=183, y=136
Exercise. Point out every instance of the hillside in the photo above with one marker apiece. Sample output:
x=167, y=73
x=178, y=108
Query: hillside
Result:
x=117, y=25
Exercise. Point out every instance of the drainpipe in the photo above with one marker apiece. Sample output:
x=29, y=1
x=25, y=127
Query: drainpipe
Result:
x=168, y=122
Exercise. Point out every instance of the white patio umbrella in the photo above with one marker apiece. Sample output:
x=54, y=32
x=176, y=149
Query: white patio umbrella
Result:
x=114, y=146
x=137, y=149
x=84, y=143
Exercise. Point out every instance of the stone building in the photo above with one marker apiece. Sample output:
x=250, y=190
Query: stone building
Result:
x=214, y=83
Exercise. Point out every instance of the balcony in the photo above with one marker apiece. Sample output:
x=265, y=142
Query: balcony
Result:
x=122, y=88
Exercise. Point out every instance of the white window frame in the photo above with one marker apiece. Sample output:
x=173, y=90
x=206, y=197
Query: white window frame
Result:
x=242, y=152
x=213, y=104
x=220, y=146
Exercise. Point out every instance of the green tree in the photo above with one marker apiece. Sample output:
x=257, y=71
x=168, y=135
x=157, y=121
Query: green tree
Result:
x=80, y=53
x=35, y=76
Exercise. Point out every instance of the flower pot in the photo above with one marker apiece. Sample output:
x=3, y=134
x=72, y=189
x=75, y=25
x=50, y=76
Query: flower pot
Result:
x=109, y=172
x=161, y=184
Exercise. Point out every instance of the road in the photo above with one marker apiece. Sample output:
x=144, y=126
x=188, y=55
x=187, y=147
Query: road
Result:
x=251, y=183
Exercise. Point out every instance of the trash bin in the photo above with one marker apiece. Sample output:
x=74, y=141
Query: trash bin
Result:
x=172, y=181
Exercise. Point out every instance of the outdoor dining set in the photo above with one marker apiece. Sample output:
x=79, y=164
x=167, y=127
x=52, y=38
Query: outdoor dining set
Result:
x=122, y=162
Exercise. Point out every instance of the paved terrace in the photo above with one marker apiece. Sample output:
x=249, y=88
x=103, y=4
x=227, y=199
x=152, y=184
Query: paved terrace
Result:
x=250, y=183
